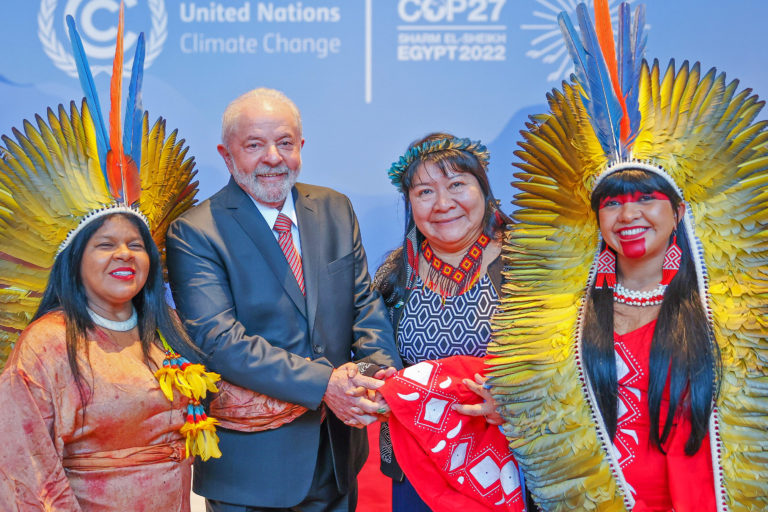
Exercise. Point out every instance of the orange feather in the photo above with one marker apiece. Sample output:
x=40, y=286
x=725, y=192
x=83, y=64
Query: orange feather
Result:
x=114, y=157
x=122, y=172
x=604, y=31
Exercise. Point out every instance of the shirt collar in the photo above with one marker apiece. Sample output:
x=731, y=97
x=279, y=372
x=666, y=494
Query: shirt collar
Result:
x=270, y=214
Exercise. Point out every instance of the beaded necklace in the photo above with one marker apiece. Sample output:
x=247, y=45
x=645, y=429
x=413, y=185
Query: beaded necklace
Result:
x=637, y=298
x=446, y=279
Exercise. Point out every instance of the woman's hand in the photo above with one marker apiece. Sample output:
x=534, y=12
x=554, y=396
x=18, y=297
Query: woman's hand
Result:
x=487, y=408
x=382, y=413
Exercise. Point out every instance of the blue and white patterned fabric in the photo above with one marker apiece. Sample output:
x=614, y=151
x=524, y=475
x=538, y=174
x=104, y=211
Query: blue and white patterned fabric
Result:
x=431, y=329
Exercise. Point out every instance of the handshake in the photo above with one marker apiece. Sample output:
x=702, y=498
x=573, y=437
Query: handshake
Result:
x=354, y=398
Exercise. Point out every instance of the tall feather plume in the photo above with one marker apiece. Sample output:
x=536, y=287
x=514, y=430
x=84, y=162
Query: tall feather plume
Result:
x=632, y=39
x=89, y=89
x=599, y=97
x=604, y=31
x=134, y=110
x=121, y=170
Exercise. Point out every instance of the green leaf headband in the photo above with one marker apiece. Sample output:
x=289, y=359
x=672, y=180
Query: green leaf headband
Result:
x=433, y=146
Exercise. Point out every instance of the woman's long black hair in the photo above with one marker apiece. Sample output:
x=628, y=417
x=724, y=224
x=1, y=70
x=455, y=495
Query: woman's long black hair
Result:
x=65, y=292
x=684, y=355
x=449, y=161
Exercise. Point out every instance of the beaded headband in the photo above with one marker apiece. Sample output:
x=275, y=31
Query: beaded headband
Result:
x=398, y=168
x=642, y=165
x=97, y=214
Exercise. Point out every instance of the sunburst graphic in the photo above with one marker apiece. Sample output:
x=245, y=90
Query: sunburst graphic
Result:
x=549, y=45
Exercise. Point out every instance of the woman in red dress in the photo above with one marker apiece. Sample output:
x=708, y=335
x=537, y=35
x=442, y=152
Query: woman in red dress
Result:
x=630, y=345
x=647, y=316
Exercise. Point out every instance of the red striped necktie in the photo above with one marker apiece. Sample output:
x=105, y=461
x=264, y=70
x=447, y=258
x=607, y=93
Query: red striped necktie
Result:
x=285, y=240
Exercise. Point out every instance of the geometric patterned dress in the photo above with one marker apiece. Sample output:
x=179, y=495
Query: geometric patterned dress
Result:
x=433, y=328
x=659, y=481
x=457, y=461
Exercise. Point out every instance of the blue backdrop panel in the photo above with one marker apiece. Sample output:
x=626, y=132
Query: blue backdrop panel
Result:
x=369, y=76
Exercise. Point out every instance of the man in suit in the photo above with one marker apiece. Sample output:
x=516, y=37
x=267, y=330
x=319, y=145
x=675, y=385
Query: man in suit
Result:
x=283, y=314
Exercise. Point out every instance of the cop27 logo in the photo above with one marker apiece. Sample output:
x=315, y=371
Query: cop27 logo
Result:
x=437, y=11
x=97, y=23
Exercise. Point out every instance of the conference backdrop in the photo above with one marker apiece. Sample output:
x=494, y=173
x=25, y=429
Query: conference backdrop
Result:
x=369, y=76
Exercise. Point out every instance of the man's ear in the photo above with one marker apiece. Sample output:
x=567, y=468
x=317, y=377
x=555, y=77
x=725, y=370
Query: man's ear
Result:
x=224, y=152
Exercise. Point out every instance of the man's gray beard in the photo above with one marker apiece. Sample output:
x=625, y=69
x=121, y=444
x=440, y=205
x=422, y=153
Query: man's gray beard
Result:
x=250, y=183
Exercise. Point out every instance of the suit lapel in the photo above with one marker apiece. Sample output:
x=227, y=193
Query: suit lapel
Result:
x=250, y=219
x=312, y=232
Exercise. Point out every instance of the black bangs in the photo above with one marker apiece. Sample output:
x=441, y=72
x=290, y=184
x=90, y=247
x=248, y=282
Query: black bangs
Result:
x=450, y=161
x=633, y=180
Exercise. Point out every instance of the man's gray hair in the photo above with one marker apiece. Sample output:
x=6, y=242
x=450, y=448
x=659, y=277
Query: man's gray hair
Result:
x=233, y=109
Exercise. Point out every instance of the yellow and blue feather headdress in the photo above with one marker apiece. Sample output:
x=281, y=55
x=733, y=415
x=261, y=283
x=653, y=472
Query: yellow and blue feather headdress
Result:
x=69, y=167
x=700, y=132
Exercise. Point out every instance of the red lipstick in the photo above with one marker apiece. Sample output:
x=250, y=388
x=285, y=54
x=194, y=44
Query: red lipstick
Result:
x=123, y=273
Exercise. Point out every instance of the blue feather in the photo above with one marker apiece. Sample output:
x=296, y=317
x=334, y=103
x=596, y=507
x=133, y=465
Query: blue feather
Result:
x=603, y=106
x=636, y=38
x=91, y=97
x=134, y=110
x=575, y=48
x=639, y=36
x=626, y=56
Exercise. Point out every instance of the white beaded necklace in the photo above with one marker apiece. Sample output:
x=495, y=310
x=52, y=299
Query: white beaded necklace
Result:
x=115, y=325
x=637, y=298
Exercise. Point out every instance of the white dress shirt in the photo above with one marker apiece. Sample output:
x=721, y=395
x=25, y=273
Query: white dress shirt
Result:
x=270, y=215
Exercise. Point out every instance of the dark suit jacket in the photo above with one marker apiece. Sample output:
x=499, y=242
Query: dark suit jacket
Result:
x=242, y=306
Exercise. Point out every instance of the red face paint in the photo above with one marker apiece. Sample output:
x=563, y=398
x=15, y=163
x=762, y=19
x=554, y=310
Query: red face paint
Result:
x=633, y=248
x=631, y=197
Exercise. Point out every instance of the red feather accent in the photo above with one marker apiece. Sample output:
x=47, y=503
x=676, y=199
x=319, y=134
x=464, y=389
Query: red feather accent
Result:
x=604, y=31
x=113, y=174
x=122, y=173
x=131, y=180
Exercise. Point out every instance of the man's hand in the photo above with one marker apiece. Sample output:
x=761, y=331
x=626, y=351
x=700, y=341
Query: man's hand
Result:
x=487, y=408
x=349, y=396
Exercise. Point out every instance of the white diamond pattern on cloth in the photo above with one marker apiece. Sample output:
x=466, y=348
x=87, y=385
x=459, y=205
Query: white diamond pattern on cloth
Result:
x=458, y=456
x=486, y=472
x=419, y=373
x=510, y=478
x=434, y=409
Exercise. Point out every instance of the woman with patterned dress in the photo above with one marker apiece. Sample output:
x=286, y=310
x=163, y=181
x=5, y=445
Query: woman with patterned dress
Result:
x=442, y=285
x=630, y=346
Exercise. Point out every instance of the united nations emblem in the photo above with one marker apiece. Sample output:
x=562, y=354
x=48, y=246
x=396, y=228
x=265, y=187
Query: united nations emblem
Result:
x=98, y=40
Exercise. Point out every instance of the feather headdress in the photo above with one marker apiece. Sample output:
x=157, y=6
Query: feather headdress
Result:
x=69, y=168
x=698, y=131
